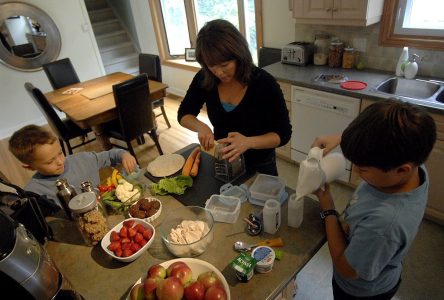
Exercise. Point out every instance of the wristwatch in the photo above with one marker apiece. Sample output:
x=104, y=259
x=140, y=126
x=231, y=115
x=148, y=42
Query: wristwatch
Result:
x=328, y=212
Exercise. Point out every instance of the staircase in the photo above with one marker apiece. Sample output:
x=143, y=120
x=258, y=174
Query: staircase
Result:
x=115, y=45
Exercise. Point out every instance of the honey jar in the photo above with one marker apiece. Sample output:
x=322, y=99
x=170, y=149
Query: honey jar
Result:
x=348, y=58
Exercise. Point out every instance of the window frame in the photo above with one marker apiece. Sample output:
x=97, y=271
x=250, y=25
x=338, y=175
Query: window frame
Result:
x=388, y=37
x=179, y=61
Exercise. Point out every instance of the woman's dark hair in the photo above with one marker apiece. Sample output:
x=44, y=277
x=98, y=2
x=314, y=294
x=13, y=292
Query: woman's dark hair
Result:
x=388, y=134
x=219, y=41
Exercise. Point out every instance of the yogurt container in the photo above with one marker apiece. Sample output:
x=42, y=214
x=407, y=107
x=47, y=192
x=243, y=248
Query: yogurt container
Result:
x=265, y=257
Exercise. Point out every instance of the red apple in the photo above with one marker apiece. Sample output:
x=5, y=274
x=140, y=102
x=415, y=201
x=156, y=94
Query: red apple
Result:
x=194, y=291
x=174, y=265
x=137, y=292
x=149, y=287
x=209, y=279
x=183, y=273
x=215, y=293
x=156, y=271
x=170, y=289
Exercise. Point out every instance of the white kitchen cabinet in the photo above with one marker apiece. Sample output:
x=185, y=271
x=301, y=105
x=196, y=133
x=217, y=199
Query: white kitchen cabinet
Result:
x=337, y=12
x=284, y=152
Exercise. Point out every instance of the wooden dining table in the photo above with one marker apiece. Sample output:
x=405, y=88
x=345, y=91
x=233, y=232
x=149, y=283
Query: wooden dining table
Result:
x=91, y=103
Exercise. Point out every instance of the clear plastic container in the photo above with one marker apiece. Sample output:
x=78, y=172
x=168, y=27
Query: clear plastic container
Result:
x=267, y=187
x=224, y=208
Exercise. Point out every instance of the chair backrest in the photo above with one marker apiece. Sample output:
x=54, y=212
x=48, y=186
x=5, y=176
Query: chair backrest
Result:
x=150, y=65
x=61, y=73
x=47, y=110
x=134, y=108
x=268, y=56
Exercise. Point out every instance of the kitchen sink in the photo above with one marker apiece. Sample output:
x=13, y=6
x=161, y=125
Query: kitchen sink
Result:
x=412, y=88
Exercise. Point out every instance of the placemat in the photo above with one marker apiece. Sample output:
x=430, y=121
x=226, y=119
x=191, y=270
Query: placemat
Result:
x=204, y=184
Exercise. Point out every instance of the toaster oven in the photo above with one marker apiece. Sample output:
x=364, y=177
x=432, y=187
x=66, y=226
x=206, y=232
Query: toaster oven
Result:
x=297, y=53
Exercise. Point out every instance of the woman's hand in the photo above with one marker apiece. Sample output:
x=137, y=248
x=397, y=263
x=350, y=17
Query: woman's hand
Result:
x=205, y=136
x=237, y=144
x=129, y=162
x=327, y=142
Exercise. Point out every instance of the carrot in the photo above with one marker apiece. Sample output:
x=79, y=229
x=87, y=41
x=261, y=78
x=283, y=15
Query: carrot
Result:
x=195, y=168
x=189, y=162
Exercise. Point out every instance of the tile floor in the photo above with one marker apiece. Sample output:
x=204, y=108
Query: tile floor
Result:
x=423, y=266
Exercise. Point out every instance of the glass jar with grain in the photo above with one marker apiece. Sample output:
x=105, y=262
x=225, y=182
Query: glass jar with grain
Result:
x=335, y=54
x=348, y=58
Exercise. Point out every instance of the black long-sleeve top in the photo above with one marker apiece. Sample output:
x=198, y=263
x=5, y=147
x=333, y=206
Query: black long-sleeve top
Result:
x=262, y=110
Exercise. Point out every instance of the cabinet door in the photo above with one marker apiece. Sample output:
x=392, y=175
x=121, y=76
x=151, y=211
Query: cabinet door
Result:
x=349, y=9
x=435, y=168
x=313, y=9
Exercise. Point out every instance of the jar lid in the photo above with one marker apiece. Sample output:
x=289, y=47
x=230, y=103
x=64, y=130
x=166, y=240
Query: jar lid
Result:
x=83, y=202
x=349, y=49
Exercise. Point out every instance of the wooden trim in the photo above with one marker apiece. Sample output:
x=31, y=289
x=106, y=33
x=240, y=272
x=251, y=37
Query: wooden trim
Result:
x=387, y=37
x=182, y=64
x=259, y=24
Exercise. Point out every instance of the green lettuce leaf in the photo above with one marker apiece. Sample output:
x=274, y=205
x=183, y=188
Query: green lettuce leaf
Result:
x=174, y=185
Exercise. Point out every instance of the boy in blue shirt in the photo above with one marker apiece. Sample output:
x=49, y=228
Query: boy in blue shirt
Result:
x=388, y=144
x=39, y=150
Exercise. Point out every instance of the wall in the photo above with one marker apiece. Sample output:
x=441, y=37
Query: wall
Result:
x=17, y=109
x=279, y=27
x=375, y=56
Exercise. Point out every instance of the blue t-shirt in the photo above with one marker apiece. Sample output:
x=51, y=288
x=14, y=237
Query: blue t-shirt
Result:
x=79, y=167
x=382, y=229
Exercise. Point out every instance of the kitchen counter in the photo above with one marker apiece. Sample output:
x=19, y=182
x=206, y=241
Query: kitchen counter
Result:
x=304, y=77
x=97, y=276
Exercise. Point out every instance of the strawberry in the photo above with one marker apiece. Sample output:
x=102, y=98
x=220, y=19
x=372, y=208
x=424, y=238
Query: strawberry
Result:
x=114, y=246
x=126, y=246
x=138, y=237
x=135, y=247
x=127, y=252
x=147, y=234
x=132, y=232
x=125, y=240
x=142, y=242
x=128, y=223
x=115, y=236
x=123, y=232
x=118, y=252
x=139, y=228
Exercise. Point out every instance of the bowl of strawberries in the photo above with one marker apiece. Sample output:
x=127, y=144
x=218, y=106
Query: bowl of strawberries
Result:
x=129, y=239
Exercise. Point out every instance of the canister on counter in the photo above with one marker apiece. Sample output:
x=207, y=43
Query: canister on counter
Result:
x=348, y=58
x=265, y=257
x=65, y=193
x=335, y=53
x=321, y=45
x=88, y=217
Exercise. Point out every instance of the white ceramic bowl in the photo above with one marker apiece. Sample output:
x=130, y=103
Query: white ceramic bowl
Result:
x=106, y=240
x=153, y=217
x=190, y=213
x=198, y=266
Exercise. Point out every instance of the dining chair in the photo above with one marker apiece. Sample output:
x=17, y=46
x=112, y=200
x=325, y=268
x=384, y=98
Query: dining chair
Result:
x=150, y=65
x=135, y=113
x=61, y=73
x=65, y=129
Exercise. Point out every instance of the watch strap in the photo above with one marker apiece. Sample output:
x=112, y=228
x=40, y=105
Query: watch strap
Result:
x=328, y=212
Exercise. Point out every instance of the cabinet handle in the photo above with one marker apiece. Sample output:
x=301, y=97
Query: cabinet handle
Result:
x=328, y=9
x=335, y=9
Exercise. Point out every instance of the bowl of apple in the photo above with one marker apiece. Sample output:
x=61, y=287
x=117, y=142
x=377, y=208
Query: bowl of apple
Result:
x=182, y=278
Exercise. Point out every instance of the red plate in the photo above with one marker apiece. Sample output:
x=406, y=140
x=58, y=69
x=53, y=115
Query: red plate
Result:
x=353, y=85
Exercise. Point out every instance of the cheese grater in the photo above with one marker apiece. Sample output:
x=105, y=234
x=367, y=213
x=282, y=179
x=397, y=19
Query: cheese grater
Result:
x=226, y=171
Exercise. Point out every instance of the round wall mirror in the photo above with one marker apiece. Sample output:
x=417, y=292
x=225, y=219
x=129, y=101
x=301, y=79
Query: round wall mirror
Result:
x=28, y=37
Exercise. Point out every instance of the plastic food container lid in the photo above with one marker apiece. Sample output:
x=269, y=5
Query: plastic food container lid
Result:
x=82, y=202
x=240, y=192
x=353, y=85
x=265, y=257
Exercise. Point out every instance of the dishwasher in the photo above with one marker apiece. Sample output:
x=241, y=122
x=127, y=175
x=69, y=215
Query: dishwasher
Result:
x=315, y=113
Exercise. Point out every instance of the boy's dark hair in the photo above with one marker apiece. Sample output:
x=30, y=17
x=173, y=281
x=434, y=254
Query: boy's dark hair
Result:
x=219, y=41
x=24, y=141
x=388, y=134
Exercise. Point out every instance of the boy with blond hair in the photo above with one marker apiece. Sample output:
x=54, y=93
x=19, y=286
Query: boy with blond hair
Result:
x=39, y=150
